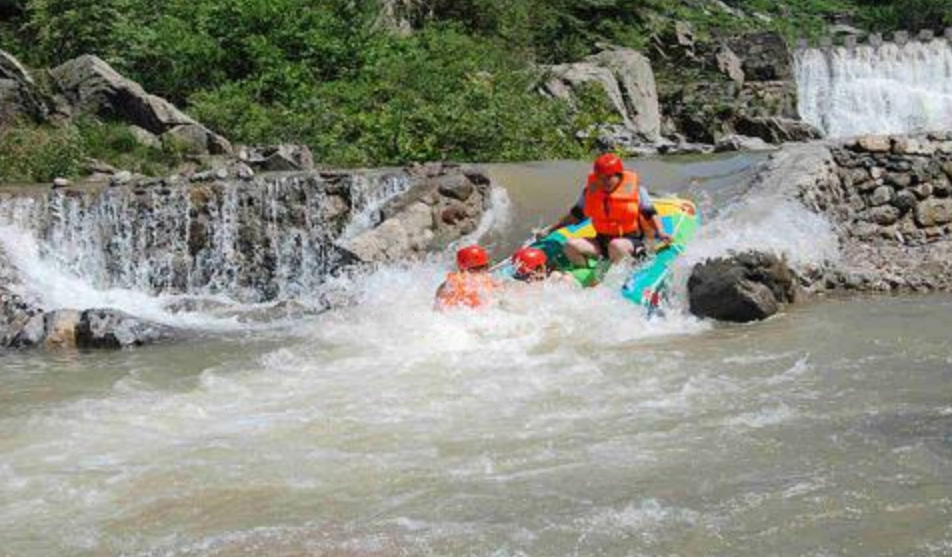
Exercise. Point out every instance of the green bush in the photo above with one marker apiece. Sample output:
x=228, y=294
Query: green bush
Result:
x=39, y=153
x=439, y=94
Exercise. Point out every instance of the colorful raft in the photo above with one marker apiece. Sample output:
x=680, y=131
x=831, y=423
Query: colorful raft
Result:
x=647, y=284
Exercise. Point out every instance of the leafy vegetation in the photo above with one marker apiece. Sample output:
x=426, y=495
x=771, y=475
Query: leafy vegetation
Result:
x=40, y=153
x=327, y=73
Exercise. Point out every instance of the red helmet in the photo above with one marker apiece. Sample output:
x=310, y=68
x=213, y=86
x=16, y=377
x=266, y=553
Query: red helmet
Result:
x=472, y=257
x=529, y=260
x=608, y=165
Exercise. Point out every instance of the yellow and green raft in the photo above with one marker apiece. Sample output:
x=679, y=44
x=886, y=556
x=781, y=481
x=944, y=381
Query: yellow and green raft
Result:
x=648, y=283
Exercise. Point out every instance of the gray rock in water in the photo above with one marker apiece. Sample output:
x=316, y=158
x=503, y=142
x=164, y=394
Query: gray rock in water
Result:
x=110, y=329
x=740, y=288
x=31, y=334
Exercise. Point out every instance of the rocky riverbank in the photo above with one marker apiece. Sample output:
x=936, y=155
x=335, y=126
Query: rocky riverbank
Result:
x=888, y=200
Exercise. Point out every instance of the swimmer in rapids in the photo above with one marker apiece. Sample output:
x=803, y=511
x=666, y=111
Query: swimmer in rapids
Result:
x=620, y=209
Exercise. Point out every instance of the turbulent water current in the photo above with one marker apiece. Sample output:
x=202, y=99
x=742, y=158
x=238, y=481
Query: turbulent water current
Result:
x=877, y=89
x=556, y=422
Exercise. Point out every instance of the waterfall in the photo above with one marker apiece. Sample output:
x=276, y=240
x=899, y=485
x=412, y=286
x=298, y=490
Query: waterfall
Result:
x=270, y=239
x=883, y=89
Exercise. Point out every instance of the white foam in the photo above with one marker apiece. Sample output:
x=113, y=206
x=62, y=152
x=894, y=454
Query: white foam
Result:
x=885, y=89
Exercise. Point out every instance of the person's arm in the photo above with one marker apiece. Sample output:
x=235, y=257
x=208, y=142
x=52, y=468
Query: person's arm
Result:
x=648, y=211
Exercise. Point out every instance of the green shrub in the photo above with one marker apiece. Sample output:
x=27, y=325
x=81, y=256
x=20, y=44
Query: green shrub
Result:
x=39, y=153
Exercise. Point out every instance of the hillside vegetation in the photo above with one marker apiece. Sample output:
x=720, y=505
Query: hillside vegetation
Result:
x=438, y=79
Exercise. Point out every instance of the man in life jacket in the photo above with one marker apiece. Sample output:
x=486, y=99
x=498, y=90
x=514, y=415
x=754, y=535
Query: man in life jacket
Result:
x=471, y=284
x=621, y=212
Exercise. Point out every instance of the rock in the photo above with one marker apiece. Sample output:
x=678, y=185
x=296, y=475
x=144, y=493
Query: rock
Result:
x=881, y=196
x=741, y=143
x=31, y=334
x=278, y=158
x=145, y=137
x=912, y=146
x=766, y=56
x=186, y=138
x=730, y=65
x=456, y=187
x=434, y=213
x=684, y=34
x=923, y=191
x=12, y=69
x=122, y=178
x=59, y=183
x=884, y=216
x=19, y=96
x=95, y=166
x=740, y=288
x=905, y=201
x=89, y=85
x=627, y=79
x=110, y=329
x=774, y=129
x=61, y=329
x=898, y=180
x=934, y=212
x=243, y=171
x=874, y=143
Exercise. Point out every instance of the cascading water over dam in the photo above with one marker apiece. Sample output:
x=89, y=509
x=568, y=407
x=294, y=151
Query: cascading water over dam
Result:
x=881, y=89
x=271, y=239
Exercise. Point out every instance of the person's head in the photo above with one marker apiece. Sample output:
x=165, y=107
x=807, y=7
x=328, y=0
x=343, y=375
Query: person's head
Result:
x=472, y=259
x=530, y=265
x=608, y=170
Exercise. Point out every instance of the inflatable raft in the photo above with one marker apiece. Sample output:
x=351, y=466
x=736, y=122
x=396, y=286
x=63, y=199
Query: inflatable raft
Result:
x=648, y=283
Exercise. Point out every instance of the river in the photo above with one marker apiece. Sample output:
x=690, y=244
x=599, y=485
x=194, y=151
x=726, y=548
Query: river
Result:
x=557, y=423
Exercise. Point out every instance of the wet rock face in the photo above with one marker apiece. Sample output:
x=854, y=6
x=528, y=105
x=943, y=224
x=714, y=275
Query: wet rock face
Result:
x=741, y=288
x=103, y=328
x=439, y=209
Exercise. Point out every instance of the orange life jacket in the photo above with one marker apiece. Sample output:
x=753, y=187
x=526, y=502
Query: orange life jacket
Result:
x=614, y=213
x=465, y=290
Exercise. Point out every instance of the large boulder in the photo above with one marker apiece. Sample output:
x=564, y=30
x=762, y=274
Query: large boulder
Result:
x=439, y=209
x=88, y=84
x=741, y=288
x=110, y=329
x=627, y=79
x=18, y=95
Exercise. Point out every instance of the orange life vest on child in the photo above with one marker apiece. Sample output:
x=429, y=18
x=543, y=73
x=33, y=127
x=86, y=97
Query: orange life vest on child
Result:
x=465, y=290
x=614, y=213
